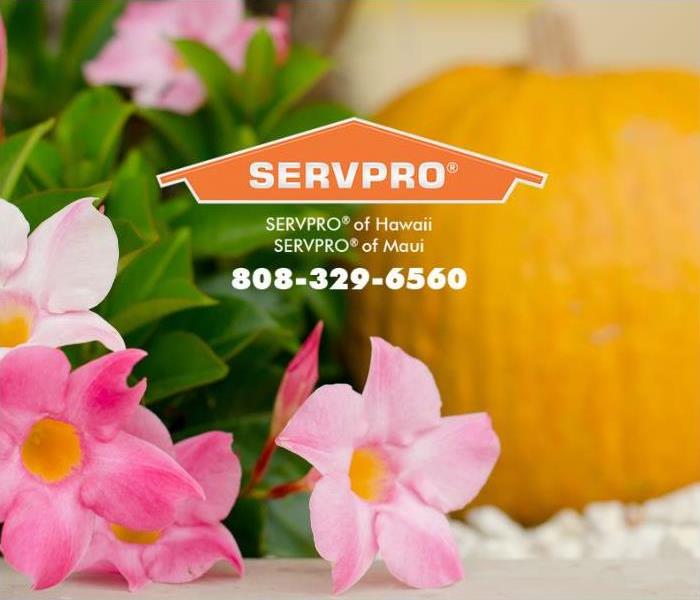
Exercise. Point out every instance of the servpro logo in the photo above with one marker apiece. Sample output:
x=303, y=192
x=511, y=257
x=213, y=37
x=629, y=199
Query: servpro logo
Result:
x=321, y=175
x=353, y=161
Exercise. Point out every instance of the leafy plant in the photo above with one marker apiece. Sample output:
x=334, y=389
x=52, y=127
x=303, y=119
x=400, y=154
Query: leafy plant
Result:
x=44, y=70
x=215, y=355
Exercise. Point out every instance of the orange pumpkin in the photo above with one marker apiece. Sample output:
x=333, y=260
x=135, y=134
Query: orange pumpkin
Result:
x=579, y=330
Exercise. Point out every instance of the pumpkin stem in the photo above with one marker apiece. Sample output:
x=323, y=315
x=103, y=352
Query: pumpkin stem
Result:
x=553, y=44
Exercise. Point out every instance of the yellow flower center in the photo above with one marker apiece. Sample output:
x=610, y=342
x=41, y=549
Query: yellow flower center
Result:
x=15, y=328
x=369, y=474
x=131, y=536
x=51, y=451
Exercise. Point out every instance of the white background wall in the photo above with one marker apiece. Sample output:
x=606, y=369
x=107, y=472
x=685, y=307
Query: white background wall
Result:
x=391, y=44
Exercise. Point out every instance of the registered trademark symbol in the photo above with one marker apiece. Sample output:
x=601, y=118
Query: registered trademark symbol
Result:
x=353, y=242
x=346, y=220
x=452, y=167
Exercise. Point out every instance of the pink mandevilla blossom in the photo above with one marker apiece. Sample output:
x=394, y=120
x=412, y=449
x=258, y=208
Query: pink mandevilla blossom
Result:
x=186, y=549
x=67, y=457
x=141, y=55
x=390, y=468
x=50, y=280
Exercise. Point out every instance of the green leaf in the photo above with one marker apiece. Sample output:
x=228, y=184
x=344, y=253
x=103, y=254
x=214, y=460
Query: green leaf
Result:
x=287, y=530
x=217, y=232
x=26, y=29
x=156, y=283
x=171, y=209
x=178, y=361
x=246, y=523
x=88, y=134
x=309, y=117
x=39, y=206
x=259, y=74
x=45, y=164
x=14, y=153
x=250, y=388
x=130, y=242
x=221, y=231
x=224, y=231
x=216, y=75
x=328, y=307
x=230, y=326
x=170, y=297
x=219, y=80
x=134, y=195
x=185, y=134
x=303, y=69
x=86, y=27
x=245, y=137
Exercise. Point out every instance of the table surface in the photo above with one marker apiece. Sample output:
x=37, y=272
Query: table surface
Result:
x=272, y=579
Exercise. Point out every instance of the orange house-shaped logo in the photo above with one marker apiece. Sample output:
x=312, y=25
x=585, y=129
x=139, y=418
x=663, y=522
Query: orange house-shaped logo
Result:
x=353, y=161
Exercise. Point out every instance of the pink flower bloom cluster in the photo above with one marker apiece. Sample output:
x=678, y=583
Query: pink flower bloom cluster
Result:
x=92, y=480
x=141, y=55
x=67, y=456
x=389, y=468
x=88, y=477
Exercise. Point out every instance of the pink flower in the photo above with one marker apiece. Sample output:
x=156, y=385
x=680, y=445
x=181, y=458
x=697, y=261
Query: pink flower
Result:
x=50, y=280
x=141, y=55
x=390, y=468
x=186, y=549
x=65, y=457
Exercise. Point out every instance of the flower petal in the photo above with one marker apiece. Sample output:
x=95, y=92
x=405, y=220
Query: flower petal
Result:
x=24, y=397
x=7, y=447
x=401, y=398
x=342, y=526
x=416, y=543
x=146, y=425
x=233, y=47
x=298, y=381
x=45, y=535
x=14, y=230
x=12, y=475
x=98, y=396
x=186, y=553
x=134, y=484
x=183, y=93
x=211, y=461
x=325, y=428
x=106, y=554
x=448, y=465
x=71, y=260
x=209, y=20
x=130, y=62
x=75, y=328
x=148, y=20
